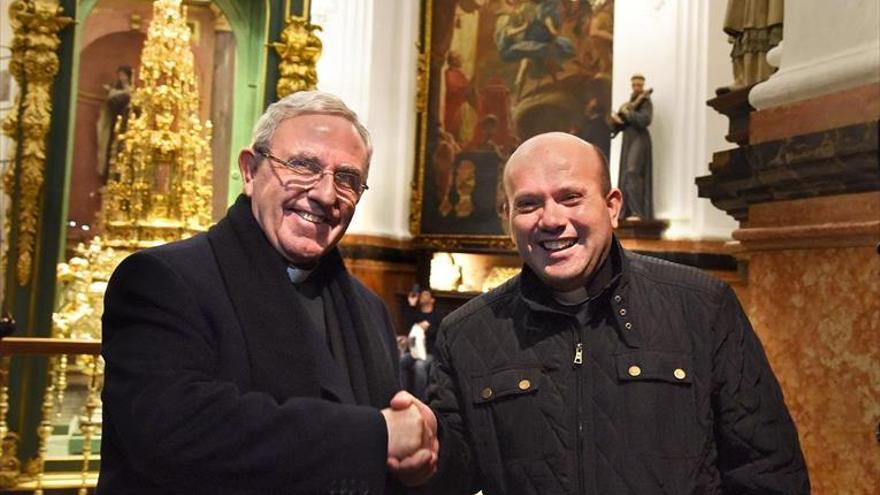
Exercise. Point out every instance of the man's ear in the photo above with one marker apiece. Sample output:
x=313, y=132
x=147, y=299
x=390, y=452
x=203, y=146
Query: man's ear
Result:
x=613, y=202
x=247, y=166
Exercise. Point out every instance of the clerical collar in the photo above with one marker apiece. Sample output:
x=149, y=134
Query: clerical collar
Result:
x=298, y=275
x=574, y=297
x=594, y=287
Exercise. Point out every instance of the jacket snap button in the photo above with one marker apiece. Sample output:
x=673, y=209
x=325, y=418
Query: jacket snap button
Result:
x=617, y=298
x=524, y=384
x=679, y=373
x=628, y=325
x=486, y=393
x=622, y=312
x=635, y=371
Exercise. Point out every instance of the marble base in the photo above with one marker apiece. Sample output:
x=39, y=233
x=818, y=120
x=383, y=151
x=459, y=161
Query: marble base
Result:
x=814, y=300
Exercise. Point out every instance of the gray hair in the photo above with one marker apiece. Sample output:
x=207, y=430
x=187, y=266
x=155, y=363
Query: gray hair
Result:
x=306, y=103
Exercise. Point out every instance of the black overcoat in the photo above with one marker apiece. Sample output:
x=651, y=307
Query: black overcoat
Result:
x=216, y=383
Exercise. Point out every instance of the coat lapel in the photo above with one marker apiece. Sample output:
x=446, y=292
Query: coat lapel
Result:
x=278, y=334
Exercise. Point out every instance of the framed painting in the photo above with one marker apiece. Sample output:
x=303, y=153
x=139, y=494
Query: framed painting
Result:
x=494, y=73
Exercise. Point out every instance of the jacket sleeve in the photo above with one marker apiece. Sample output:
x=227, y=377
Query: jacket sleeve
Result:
x=182, y=425
x=457, y=471
x=758, y=448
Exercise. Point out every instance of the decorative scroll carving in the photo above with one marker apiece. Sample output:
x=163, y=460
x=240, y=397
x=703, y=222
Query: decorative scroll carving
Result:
x=299, y=50
x=34, y=64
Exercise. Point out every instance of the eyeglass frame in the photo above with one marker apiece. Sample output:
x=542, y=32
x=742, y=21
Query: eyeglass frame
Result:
x=287, y=165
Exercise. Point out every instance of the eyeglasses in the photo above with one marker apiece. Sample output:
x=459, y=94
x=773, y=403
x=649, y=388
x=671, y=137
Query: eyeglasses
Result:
x=348, y=184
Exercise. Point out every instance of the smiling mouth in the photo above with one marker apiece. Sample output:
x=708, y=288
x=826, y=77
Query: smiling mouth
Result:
x=557, y=244
x=310, y=217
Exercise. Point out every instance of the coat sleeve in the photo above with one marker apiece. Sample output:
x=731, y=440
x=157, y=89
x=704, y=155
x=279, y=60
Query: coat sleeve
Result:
x=177, y=422
x=758, y=448
x=458, y=473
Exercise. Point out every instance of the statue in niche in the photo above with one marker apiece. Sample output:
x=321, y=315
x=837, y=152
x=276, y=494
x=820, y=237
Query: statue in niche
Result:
x=113, y=119
x=753, y=28
x=636, y=159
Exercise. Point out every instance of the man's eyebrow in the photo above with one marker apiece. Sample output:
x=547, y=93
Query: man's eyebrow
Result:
x=525, y=197
x=304, y=156
x=350, y=169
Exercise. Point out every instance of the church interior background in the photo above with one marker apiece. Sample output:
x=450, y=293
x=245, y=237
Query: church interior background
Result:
x=122, y=120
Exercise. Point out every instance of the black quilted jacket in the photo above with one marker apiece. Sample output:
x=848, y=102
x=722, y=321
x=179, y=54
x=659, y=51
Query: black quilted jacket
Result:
x=671, y=392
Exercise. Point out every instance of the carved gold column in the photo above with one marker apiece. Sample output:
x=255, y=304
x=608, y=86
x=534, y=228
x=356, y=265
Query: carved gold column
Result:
x=34, y=64
x=88, y=427
x=44, y=431
x=299, y=50
x=10, y=465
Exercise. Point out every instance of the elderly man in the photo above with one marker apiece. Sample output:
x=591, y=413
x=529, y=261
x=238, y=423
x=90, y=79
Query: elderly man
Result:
x=600, y=371
x=247, y=360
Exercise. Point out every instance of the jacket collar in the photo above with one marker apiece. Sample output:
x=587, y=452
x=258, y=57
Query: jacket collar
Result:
x=608, y=289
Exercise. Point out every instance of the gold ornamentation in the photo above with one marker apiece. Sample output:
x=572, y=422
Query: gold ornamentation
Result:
x=453, y=243
x=44, y=431
x=299, y=50
x=498, y=275
x=422, y=80
x=10, y=465
x=34, y=64
x=160, y=185
x=82, y=281
x=91, y=423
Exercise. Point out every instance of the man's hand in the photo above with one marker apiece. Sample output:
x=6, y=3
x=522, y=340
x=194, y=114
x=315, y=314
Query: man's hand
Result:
x=417, y=468
x=406, y=430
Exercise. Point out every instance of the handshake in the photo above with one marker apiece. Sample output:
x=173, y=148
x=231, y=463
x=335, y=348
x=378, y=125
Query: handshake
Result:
x=412, y=439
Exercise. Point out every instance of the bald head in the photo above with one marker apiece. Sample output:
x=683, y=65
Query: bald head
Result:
x=561, y=211
x=558, y=146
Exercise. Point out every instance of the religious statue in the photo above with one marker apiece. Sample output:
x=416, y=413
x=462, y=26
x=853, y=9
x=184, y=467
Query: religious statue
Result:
x=113, y=118
x=753, y=27
x=634, y=181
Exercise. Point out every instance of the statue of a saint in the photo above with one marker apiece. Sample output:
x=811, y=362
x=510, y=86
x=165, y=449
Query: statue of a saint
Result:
x=114, y=109
x=754, y=27
x=634, y=181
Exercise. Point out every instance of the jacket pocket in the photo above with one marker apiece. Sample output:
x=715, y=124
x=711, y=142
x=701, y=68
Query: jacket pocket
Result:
x=505, y=383
x=659, y=402
x=510, y=412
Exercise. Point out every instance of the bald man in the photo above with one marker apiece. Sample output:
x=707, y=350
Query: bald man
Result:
x=600, y=371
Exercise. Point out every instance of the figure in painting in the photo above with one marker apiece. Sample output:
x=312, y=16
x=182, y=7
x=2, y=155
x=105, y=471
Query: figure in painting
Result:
x=114, y=110
x=602, y=38
x=529, y=34
x=458, y=117
x=636, y=159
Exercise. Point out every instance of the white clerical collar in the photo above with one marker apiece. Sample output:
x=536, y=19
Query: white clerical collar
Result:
x=298, y=275
x=572, y=297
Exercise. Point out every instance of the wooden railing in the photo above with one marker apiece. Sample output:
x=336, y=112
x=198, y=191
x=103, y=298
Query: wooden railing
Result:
x=86, y=353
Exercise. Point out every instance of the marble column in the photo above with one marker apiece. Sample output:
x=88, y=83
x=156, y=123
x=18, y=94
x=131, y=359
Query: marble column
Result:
x=805, y=187
x=827, y=47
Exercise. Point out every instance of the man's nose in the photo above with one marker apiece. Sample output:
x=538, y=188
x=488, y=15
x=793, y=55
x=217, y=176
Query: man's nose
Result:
x=553, y=216
x=324, y=190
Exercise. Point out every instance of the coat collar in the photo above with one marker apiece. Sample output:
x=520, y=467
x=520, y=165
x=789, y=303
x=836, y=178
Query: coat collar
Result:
x=284, y=350
x=609, y=292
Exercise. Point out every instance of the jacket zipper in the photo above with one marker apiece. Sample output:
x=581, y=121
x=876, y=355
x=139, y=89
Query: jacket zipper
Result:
x=578, y=362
